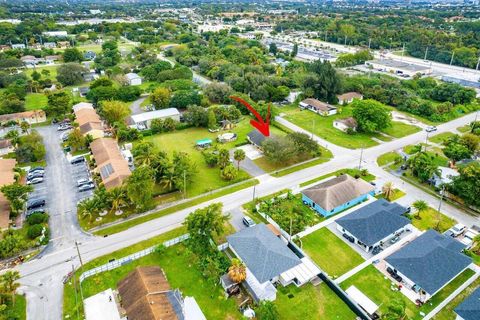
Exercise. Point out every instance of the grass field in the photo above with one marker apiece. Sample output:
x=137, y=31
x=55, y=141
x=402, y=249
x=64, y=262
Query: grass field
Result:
x=464, y=129
x=330, y=253
x=35, y=101
x=447, y=312
x=177, y=264
x=17, y=312
x=441, y=137
x=375, y=286
x=324, y=158
x=323, y=128
x=397, y=195
x=428, y=220
x=206, y=179
x=52, y=69
x=387, y=158
x=311, y=303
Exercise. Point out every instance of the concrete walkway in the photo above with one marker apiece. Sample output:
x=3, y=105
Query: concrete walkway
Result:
x=382, y=255
x=453, y=295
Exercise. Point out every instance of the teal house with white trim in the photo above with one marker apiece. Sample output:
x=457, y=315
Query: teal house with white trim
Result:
x=337, y=194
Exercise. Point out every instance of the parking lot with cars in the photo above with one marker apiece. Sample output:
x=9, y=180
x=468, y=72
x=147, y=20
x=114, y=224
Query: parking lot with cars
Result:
x=81, y=177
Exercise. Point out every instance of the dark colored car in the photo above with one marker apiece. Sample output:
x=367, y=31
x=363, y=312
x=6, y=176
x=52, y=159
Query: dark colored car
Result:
x=35, y=203
x=36, y=169
x=77, y=160
x=348, y=237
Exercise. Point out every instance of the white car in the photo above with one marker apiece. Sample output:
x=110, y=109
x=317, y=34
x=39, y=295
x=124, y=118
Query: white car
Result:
x=35, y=180
x=83, y=181
x=456, y=230
x=431, y=129
x=468, y=238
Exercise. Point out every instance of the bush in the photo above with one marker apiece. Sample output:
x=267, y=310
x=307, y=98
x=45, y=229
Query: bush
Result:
x=34, y=231
x=37, y=218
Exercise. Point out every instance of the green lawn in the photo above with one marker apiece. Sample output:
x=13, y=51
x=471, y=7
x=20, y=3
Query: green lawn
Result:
x=182, y=273
x=17, y=312
x=206, y=179
x=397, y=195
x=377, y=287
x=331, y=253
x=39, y=69
x=447, y=312
x=387, y=158
x=324, y=158
x=441, y=137
x=351, y=171
x=35, y=101
x=464, y=129
x=323, y=128
x=428, y=220
x=309, y=303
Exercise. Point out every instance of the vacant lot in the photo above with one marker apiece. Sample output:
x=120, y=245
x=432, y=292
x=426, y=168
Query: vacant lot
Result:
x=309, y=303
x=429, y=219
x=330, y=253
x=323, y=128
x=35, y=101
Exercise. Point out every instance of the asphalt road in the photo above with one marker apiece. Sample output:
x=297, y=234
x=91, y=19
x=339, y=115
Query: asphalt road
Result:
x=41, y=278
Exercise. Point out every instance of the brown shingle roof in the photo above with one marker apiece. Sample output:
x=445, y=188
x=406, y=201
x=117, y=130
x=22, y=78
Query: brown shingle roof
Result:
x=111, y=164
x=349, y=122
x=144, y=294
x=349, y=96
x=22, y=115
x=318, y=105
x=5, y=143
x=6, y=177
x=337, y=191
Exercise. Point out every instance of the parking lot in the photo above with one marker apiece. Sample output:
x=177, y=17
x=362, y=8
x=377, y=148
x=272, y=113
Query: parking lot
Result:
x=80, y=171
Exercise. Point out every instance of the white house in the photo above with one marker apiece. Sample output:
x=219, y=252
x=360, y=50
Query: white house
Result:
x=322, y=108
x=61, y=34
x=445, y=177
x=348, y=97
x=18, y=46
x=143, y=120
x=345, y=124
x=133, y=79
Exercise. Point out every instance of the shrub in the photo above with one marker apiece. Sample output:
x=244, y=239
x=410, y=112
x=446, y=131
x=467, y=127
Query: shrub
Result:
x=37, y=218
x=34, y=231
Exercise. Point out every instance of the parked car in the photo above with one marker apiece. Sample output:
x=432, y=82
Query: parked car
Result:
x=77, y=160
x=376, y=250
x=36, y=210
x=35, y=174
x=349, y=237
x=248, y=222
x=467, y=240
x=36, y=169
x=86, y=187
x=64, y=127
x=35, y=203
x=431, y=129
x=394, y=239
x=35, y=180
x=456, y=230
x=83, y=181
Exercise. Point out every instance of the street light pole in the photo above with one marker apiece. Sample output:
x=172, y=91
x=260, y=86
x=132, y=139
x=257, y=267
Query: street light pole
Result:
x=254, y=195
x=441, y=198
x=361, y=158
x=79, y=255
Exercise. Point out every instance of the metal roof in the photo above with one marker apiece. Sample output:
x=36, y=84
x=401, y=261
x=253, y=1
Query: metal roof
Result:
x=157, y=114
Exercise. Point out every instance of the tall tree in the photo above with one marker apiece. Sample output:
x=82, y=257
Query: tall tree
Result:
x=160, y=98
x=420, y=206
x=17, y=195
x=8, y=282
x=115, y=111
x=325, y=83
x=371, y=115
x=239, y=156
x=58, y=103
x=70, y=73
x=140, y=187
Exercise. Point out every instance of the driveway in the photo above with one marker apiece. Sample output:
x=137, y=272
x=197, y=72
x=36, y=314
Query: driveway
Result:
x=136, y=105
x=236, y=216
x=247, y=164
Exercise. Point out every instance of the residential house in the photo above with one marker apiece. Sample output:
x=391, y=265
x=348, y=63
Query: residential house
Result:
x=83, y=91
x=146, y=294
x=29, y=60
x=6, y=147
x=348, y=97
x=143, y=120
x=4, y=47
x=55, y=34
x=89, y=55
x=346, y=124
x=35, y=46
x=444, y=176
x=63, y=44
x=268, y=260
x=133, y=79
x=90, y=76
x=469, y=309
x=49, y=45
x=52, y=59
x=337, y=194
x=292, y=96
x=19, y=46
x=110, y=163
x=429, y=263
x=256, y=138
x=375, y=224
x=319, y=107
x=32, y=117
x=88, y=120
x=7, y=176
x=102, y=306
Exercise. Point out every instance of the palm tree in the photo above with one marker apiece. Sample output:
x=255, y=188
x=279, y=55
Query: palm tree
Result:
x=169, y=178
x=118, y=196
x=388, y=190
x=239, y=155
x=9, y=284
x=476, y=244
x=420, y=206
x=237, y=271
x=87, y=208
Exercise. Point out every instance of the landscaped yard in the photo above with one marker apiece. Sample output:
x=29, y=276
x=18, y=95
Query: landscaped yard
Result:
x=323, y=128
x=464, y=129
x=397, y=195
x=329, y=252
x=428, y=220
x=441, y=137
x=180, y=271
x=311, y=303
x=387, y=158
x=447, y=312
x=35, y=101
x=378, y=288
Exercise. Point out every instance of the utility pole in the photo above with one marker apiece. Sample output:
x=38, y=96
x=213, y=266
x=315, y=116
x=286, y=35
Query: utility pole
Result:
x=426, y=141
x=426, y=52
x=184, y=184
x=441, y=198
x=75, y=289
x=78, y=252
x=361, y=158
x=453, y=55
x=369, y=43
x=254, y=195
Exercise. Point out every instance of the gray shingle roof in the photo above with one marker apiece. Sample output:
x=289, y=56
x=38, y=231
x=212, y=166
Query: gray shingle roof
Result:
x=469, y=309
x=431, y=260
x=266, y=255
x=375, y=221
x=256, y=137
x=337, y=191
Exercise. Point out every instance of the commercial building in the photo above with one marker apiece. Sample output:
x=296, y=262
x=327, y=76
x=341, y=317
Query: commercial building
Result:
x=399, y=67
x=110, y=163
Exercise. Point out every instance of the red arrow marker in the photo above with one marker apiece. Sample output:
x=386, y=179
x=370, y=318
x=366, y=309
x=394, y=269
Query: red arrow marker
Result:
x=261, y=125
